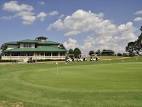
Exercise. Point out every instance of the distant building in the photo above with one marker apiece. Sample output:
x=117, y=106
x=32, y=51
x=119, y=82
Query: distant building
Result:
x=38, y=49
x=107, y=53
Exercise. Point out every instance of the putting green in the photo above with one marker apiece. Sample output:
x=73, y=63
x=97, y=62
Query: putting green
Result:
x=87, y=77
x=72, y=85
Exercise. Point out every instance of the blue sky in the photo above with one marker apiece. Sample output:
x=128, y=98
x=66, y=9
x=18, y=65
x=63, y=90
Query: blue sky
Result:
x=26, y=19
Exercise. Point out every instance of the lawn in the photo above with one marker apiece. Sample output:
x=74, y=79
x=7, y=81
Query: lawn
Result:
x=103, y=84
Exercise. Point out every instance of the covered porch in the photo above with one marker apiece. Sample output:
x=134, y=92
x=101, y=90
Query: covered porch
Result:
x=20, y=56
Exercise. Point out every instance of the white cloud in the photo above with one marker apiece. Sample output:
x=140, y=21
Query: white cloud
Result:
x=27, y=17
x=61, y=16
x=13, y=6
x=138, y=12
x=53, y=13
x=101, y=32
x=139, y=16
x=42, y=3
x=42, y=16
x=58, y=25
x=71, y=43
x=25, y=12
x=80, y=21
x=71, y=33
x=138, y=19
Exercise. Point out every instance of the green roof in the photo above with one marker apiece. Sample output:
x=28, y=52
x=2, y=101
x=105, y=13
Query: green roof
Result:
x=33, y=41
x=46, y=46
x=48, y=42
x=39, y=49
x=37, y=41
x=27, y=41
x=11, y=43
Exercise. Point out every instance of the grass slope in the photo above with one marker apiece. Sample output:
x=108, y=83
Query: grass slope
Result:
x=114, y=83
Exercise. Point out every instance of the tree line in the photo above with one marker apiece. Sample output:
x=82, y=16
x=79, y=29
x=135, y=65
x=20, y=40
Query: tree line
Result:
x=135, y=47
x=76, y=53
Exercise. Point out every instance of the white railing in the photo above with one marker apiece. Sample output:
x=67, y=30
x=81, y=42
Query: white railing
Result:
x=33, y=57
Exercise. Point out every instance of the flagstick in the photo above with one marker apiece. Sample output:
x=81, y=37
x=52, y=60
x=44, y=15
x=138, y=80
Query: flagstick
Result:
x=57, y=67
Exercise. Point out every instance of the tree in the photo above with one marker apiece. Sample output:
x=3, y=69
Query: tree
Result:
x=136, y=46
x=71, y=53
x=119, y=54
x=91, y=53
x=139, y=42
x=98, y=52
x=77, y=53
x=130, y=48
x=141, y=28
x=3, y=47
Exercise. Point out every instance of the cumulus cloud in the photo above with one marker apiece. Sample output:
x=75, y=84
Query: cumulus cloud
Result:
x=27, y=17
x=13, y=6
x=42, y=3
x=61, y=16
x=58, y=25
x=81, y=21
x=53, y=13
x=25, y=12
x=42, y=16
x=138, y=16
x=138, y=12
x=138, y=19
x=71, y=43
x=101, y=33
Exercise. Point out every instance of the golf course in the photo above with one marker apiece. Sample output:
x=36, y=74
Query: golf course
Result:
x=109, y=83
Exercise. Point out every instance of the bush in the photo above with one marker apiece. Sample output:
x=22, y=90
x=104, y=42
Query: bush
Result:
x=119, y=54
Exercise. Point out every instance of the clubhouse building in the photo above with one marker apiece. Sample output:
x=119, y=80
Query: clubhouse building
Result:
x=39, y=49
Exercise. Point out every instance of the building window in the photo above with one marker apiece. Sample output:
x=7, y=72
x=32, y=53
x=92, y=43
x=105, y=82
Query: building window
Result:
x=47, y=54
x=55, y=54
x=62, y=54
x=27, y=45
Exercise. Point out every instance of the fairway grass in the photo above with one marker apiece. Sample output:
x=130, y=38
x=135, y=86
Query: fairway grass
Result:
x=73, y=85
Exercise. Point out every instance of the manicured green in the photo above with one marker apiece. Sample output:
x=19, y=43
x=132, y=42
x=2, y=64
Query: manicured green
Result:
x=115, y=83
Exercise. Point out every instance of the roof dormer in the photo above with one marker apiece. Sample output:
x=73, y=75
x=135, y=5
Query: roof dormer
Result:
x=41, y=38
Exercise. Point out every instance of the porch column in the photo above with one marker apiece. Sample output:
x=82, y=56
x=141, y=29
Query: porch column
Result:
x=10, y=55
x=17, y=55
x=58, y=54
x=51, y=55
x=44, y=55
